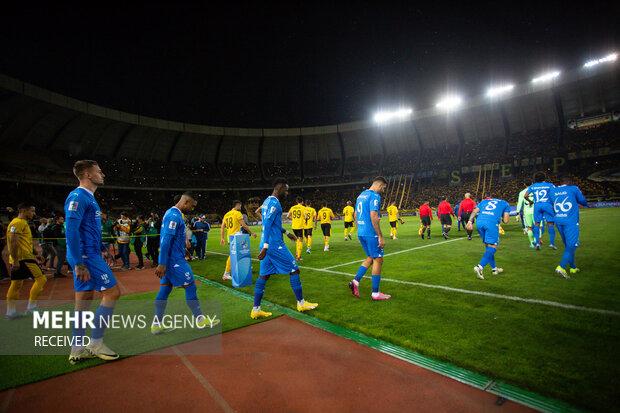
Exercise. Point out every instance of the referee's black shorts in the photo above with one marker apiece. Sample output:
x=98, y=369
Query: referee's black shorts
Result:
x=445, y=219
x=327, y=229
x=426, y=221
x=465, y=216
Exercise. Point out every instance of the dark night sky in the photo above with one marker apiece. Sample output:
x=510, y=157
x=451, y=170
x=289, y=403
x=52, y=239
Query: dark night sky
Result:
x=294, y=63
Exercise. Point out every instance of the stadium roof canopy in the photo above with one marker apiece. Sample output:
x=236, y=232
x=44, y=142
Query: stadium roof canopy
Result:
x=39, y=119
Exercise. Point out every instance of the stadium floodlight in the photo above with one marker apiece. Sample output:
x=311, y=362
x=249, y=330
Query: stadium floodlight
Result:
x=609, y=58
x=499, y=90
x=386, y=116
x=546, y=77
x=449, y=102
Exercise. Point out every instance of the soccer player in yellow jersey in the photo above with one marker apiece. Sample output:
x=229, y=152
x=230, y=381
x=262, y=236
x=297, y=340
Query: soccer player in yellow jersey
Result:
x=349, y=221
x=232, y=224
x=309, y=224
x=325, y=215
x=297, y=215
x=22, y=262
x=392, y=211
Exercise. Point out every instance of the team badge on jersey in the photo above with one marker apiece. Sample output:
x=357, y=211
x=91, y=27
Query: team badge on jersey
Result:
x=172, y=225
x=73, y=206
x=13, y=229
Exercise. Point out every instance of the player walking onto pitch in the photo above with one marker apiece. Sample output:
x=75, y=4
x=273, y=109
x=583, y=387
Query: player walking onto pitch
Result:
x=368, y=218
x=566, y=199
x=90, y=271
x=309, y=225
x=232, y=224
x=22, y=263
x=274, y=257
x=490, y=212
x=349, y=220
x=527, y=210
x=426, y=216
x=393, y=217
x=466, y=207
x=173, y=269
x=325, y=215
x=297, y=215
x=543, y=210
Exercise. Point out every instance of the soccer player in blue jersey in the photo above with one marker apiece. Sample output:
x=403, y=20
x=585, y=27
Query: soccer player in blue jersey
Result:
x=173, y=269
x=566, y=199
x=368, y=216
x=490, y=212
x=543, y=210
x=90, y=271
x=274, y=257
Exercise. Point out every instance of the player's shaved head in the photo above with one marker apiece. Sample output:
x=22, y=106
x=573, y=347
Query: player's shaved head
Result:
x=187, y=202
x=236, y=203
x=467, y=195
x=379, y=179
x=349, y=203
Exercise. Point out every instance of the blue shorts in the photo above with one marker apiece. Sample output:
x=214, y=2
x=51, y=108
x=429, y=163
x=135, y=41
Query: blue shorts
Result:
x=179, y=274
x=371, y=246
x=278, y=260
x=569, y=234
x=543, y=210
x=101, y=276
x=488, y=231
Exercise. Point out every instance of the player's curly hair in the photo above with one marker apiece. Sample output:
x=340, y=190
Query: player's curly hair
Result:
x=540, y=176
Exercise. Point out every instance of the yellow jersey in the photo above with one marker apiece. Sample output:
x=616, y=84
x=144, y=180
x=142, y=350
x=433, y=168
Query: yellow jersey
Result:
x=298, y=216
x=348, y=213
x=392, y=213
x=310, y=217
x=19, y=228
x=326, y=215
x=232, y=222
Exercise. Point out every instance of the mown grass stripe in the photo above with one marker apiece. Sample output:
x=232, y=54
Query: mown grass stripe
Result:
x=508, y=391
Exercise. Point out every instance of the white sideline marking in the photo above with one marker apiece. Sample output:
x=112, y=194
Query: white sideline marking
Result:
x=463, y=291
x=396, y=252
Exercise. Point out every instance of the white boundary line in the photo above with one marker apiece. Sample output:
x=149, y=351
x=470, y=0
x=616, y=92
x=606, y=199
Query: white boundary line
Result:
x=464, y=291
x=397, y=252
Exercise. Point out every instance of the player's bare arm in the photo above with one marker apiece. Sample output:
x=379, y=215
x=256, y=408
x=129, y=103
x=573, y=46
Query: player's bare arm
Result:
x=246, y=227
x=222, y=229
x=374, y=217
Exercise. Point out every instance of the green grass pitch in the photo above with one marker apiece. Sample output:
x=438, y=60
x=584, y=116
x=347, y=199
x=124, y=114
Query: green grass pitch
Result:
x=560, y=352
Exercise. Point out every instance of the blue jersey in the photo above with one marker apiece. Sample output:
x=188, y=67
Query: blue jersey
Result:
x=540, y=190
x=367, y=201
x=172, y=237
x=83, y=231
x=271, y=212
x=566, y=200
x=492, y=211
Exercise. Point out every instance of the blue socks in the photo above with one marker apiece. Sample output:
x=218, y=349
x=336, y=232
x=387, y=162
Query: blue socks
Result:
x=296, y=286
x=568, y=258
x=192, y=299
x=78, y=328
x=360, y=273
x=552, y=235
x=488, y=257
x=161, y=300
x=259, y=289
x=102, y=320
x=376, y=280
